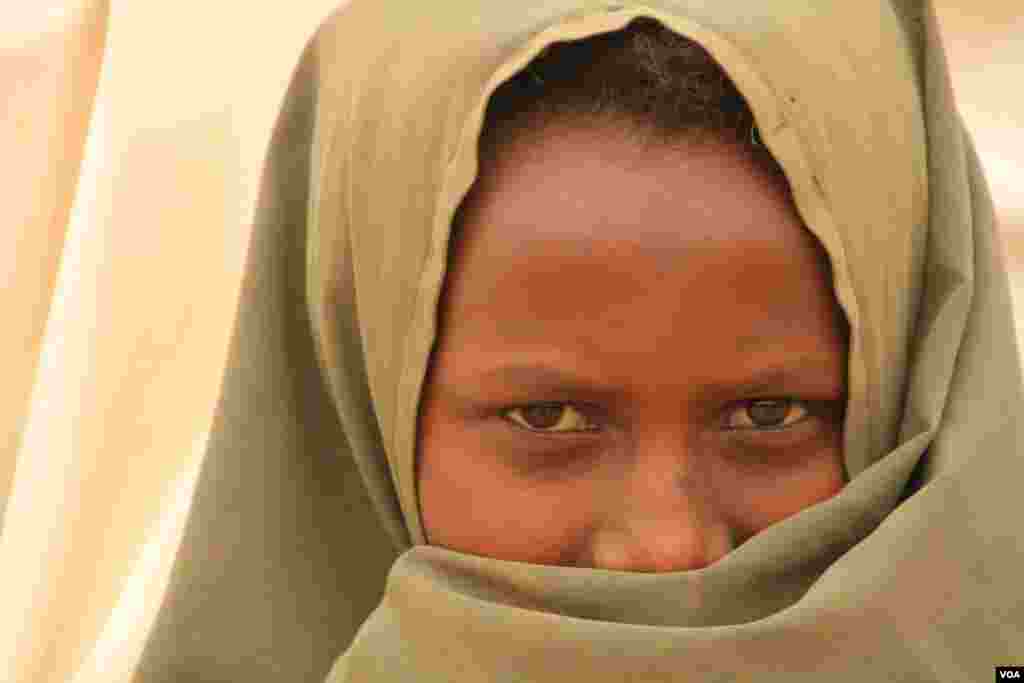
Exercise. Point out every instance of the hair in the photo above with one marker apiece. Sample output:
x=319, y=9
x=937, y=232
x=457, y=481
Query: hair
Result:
x=666, y=86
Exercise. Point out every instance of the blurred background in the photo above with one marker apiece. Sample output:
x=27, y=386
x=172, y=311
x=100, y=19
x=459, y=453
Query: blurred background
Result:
x=133, y=134
x=985, y=44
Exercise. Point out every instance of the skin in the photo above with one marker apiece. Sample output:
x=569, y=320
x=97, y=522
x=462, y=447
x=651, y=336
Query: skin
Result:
x=640, y=363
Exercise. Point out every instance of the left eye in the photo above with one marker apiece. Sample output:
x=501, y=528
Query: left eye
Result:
x=768, y=414
x=549, y=418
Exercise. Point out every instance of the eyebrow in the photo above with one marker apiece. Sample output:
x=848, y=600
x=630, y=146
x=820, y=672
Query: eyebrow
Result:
x=767, y=339
x=541, y=376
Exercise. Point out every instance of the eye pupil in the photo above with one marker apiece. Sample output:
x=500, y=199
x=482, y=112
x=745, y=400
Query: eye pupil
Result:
x=542, y=416
x=768, y=413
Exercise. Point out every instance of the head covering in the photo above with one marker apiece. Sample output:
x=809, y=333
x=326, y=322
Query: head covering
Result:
x=306, y=530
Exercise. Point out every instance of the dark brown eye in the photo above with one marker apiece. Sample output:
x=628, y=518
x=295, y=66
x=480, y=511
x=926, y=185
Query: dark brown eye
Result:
x=767, y=414
x=543, y=416
x=549, y=417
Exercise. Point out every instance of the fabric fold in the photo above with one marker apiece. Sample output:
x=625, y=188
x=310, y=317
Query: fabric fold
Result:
x=909, y=573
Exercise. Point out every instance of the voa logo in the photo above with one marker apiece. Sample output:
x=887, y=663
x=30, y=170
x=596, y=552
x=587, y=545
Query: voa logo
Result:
x=1009, y=675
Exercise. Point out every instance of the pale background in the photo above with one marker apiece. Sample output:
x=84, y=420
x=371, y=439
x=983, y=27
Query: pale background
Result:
x=132, y=134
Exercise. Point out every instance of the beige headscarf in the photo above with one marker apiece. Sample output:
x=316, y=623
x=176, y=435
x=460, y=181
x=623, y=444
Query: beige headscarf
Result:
x=307, y=502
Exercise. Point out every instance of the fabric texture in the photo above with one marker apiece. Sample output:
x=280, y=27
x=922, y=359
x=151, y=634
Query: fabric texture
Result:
x=911, y=573
x=133, y=137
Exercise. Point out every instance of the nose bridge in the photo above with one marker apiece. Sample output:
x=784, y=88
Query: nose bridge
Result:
x=661, y=516
x=668, y=467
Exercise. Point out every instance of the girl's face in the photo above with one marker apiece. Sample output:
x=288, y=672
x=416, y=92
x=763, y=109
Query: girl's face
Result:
x=641, y=362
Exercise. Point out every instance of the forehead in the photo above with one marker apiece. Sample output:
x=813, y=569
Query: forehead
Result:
x=597, y=192
x=605, y=184
x=585, y=231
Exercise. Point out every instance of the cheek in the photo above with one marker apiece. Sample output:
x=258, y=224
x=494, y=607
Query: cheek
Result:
x=774, y=495
x=471, y=503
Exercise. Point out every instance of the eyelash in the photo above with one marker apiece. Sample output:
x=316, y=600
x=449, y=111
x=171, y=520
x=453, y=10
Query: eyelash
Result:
x=508, y=411
x=807, y=406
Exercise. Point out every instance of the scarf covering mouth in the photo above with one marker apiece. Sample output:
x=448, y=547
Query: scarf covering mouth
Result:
x=911, y=573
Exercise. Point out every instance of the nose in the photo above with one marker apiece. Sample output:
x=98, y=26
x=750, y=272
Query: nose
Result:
x=660, y=518
x=659, y=546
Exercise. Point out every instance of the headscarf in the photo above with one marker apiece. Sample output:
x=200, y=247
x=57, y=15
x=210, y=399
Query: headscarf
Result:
x=305, y=539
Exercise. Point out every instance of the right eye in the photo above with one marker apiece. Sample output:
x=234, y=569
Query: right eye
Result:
x=769, y=414
x=549, y=418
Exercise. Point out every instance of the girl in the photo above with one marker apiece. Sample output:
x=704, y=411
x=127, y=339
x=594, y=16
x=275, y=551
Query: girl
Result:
x=669, y=341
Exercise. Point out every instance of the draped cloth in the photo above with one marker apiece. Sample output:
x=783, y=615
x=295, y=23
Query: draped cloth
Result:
x=910, y=573
x=304, y=544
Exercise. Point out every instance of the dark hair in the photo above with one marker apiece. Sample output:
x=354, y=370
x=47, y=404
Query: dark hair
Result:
x=667, y=86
